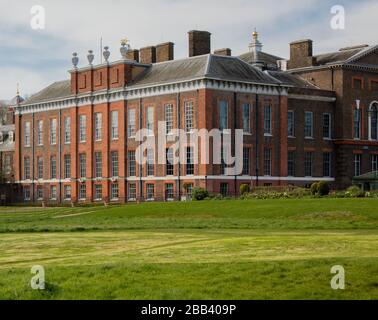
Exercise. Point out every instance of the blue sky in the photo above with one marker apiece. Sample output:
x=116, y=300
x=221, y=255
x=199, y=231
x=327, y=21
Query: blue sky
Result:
x=36, y=58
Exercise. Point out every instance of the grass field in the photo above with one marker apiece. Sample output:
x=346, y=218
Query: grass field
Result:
x=262, y=249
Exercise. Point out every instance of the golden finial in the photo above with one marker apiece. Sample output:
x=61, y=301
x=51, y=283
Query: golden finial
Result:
x=255, y=34
x=125, y=41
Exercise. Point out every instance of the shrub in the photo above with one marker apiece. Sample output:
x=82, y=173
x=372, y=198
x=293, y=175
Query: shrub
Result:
x=244, y=188
x=354, y=192
x=314, y=188
x=323, y=188
x=200, y=194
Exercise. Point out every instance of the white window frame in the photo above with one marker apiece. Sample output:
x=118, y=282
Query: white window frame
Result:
x=246, y=130
x=82, y=165
x=82, y=128
x=40, y=133
x=150, y=119
x=114, y=196
x=98, y=126
x=168, y=116
x=311, y=136
x=329, y=136
x=114, y=164
x=134, y=188
x=223, y=104
x=131, y=126
x=67, y=195
x=67, y=130
x=53, y=195
x=27, y=134
x=114, y=125
x=53, y=131
x=150, y=197
x=292, y=113
x=81, y=191
x=189, y=116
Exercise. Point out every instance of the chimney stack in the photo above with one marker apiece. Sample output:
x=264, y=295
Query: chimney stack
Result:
x=164, y=52
x=223, y=52
x=301, y=54
x=148, y=55
x=133, y=55
x=199, y=43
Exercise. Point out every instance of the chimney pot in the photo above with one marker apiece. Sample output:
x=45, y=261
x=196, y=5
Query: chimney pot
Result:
x=165, y=52
x=133, y=55
x=148, y=55
x=301, y=54
x=199, y=43
x=223, y=52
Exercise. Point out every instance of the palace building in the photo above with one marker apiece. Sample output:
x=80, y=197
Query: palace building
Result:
x=305, y=119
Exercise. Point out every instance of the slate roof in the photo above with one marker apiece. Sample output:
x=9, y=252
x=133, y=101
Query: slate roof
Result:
x=340, y=56
x=57, y=90
x=268, y=59
x=291, y=79
x=206, y=66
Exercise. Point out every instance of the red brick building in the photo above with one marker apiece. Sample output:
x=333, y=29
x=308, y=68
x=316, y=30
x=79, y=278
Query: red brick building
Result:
x=75, y=140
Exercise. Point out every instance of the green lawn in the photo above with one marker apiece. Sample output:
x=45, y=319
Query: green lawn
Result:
x=262, y=249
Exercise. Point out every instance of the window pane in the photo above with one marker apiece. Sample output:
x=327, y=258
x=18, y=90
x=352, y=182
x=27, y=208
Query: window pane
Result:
x=290, y=124
x=131, y=123
x=268, y=120
x=246, y=118
x=308, y=124
x=168, y=118
x=267, y=162
x=131, y=163
x=189, y=116
x=223, y=115
x=114, y=124
x=82, y=128
x=308, y=164
x=291, y=164
x=98, y=126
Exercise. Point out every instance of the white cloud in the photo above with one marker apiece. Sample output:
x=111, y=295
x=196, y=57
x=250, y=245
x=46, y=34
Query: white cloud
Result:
x=78, y=25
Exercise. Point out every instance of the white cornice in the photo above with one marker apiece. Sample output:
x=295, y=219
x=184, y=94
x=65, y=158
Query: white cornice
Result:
x=130, y=93
x=312, y=98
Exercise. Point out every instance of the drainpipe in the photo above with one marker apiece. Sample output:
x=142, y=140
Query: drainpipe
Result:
x=60, y=155
x=33, y=162
x=140, y=165
x=257, y=138
x=235, y=125
x=178, y=106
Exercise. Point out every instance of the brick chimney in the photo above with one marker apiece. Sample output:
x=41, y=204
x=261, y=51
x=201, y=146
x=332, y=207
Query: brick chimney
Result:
x=164, y=52
x=199, y=43
x=301, y=54
x=148, y=55
x=223, y=52
x=133, y=55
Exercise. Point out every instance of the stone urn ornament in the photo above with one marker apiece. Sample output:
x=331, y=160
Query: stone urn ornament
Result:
x=75, y=60
x=125, y=48
x=106, y=54
x=90, y=57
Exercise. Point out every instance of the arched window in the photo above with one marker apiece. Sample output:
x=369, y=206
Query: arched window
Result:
x=373, y=115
